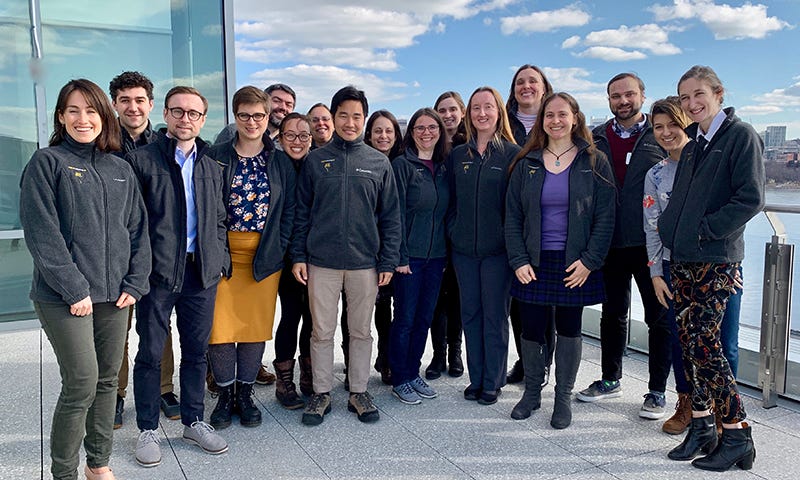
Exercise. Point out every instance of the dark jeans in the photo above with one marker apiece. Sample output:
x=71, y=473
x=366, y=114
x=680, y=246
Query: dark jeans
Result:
x=536, y=320
x=622, y=264
x=446, y=326
x=415, y=297
x=294, y=307
x=89, y=352
x=485, y=284
x=194, y=307
x=729, y=335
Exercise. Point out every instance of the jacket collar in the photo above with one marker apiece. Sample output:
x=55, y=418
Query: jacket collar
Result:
x=339, y=142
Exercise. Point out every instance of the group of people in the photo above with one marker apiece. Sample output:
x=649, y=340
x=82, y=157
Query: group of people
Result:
x=479, y=212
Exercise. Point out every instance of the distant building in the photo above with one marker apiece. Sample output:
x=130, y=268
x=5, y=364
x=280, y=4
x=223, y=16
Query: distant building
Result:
x=775, y=136
x=596, y=121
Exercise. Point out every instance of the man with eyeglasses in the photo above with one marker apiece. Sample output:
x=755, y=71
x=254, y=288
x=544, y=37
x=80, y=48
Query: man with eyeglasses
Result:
x=182, y=187
x=282, y=101
x=346, y=237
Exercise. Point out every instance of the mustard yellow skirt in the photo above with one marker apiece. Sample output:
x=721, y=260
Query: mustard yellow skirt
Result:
x=245, y=309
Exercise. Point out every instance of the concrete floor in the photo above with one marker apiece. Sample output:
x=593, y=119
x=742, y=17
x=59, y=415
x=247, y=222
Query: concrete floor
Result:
x=444, y=438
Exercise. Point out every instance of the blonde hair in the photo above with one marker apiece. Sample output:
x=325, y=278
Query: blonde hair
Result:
x=502, y=129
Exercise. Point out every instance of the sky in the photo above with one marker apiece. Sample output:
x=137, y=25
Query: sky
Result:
x=404, y=53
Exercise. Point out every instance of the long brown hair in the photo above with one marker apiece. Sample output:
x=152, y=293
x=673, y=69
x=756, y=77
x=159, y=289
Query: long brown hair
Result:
x=440, y=149
x=539, y=140
x=109, y=138
x=512, y=104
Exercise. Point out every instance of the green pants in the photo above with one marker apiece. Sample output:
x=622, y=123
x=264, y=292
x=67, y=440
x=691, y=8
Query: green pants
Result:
x=89, y=352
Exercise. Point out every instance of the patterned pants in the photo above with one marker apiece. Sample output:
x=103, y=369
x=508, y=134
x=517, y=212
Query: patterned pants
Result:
x=701, y=293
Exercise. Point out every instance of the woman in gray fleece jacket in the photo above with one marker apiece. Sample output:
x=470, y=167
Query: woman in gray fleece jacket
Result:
x=86, y=228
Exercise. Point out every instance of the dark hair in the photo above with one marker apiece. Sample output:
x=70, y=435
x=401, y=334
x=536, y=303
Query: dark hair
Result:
x=502, y=129
x=282, y=87
x=620, y=76
x=511, y=104
x=349, y=93
x=397, y=147
x=250, y=95
x=294, y=116
x=440, y=149
x=460, y=136
x=109, y=138
x=126, y=80
x=180, y=89
x=538, y=139
x=706, y=74
x=671, y=107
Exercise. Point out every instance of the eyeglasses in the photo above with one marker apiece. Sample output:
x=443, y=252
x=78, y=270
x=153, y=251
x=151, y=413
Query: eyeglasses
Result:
x=431, y=128
x=245, y=117
x=178, y=113
x=321, y=119
x=290, y=137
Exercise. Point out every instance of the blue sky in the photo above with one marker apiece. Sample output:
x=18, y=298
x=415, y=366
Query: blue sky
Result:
x=405, y=53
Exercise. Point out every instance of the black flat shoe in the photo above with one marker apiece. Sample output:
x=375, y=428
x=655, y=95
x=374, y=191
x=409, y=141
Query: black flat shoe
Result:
x=489, y=397
x=471, y=393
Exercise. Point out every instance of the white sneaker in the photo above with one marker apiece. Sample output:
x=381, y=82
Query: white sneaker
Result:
x=203, y=435
x=148, y=453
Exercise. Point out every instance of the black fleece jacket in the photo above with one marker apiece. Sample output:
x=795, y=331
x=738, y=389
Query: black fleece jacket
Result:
x=591, y=210
x=716, y=191
x=347, y=215
x=280, y=215
x=162, y=188
x=85, y=225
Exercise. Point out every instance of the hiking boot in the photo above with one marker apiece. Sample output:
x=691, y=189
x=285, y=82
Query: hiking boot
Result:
x=654, y=405
x=221, y=416
x=316, y=408
x=170, y=406
x=680, y=420
x=436, y=367
x=148, y=453
x=202, y=434
x=599, y=390
x=249, y=414
x=517, y=372
x=406, y=394
x=361, y=404
x=306, y=377
x=264, y=376
x=285, y=390
x=423, y=389
x=118, y=409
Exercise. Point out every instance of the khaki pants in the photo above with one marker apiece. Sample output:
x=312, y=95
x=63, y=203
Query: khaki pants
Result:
x=324, y=288
x=167, y=365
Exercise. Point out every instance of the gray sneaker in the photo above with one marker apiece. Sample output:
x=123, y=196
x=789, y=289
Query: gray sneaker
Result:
x=148, y=453
x=406, y=394
x=202, y=434
x=423, y=389
x=599, y=390
x=654, y=406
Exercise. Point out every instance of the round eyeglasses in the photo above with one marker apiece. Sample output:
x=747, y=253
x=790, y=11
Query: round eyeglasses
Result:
x=290, y=137
x=245, y=117
x=178, y=113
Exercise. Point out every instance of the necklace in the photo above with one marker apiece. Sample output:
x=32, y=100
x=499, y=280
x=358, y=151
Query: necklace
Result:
x=558, y=157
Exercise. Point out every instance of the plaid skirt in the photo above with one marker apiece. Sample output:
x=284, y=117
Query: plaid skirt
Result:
x=549, y=289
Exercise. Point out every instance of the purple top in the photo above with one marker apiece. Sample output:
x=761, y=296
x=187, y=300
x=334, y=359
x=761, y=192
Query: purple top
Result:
x=555, y=210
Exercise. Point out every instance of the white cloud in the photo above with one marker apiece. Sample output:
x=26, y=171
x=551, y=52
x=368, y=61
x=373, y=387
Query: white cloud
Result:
x=646, y=37
x=572, y=41
x=782, y=97
x=725, y=21
x=317, y=83
x=611, y=54
x=572, y=79
x=758, y=110
x=545, y=21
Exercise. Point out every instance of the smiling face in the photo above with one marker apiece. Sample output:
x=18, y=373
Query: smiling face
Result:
x=81, y=120
x=559, y=120
x=426, y=133
x=699, y=101
x=184, y=128
x=282, y=104
x=321, y=125
x=297, y=148
x=450, y=112
x=668, y=133
x=133, y=107
x=251, y=129
x=383, y=135
x=625, y=99
x=528, y=90
x=483, y=112
x=349, y=120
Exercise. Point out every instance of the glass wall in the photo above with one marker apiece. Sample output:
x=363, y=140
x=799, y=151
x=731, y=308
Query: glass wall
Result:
x=173, y=42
